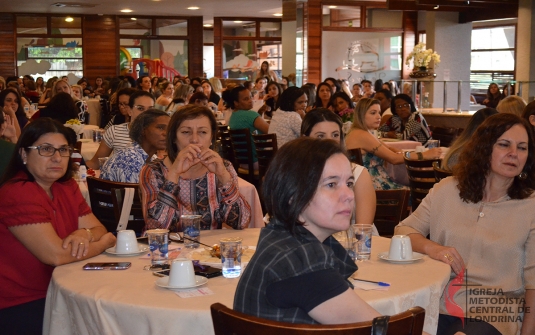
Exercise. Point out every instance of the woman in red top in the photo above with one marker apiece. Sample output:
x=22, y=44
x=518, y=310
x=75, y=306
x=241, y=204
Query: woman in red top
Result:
x=44, y=222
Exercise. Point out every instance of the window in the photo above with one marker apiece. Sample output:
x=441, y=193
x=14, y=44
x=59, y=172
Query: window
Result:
x=246, y=44
x=49, y=46
x=493, y=56
x=153, y=47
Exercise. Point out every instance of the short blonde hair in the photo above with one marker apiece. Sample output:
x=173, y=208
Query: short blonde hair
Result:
x=216, y=84
x=360, y=112
x=512, y=104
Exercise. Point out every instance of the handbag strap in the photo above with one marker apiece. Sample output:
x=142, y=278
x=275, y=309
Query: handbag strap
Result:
x=380, y=325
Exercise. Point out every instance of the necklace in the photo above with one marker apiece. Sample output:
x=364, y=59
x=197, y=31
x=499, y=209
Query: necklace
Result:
x=481, y=214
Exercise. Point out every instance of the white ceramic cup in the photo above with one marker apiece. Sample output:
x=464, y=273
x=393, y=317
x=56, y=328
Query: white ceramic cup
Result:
x=400, y=248
x=420, y=148
x=126, y=242
x=182, y=273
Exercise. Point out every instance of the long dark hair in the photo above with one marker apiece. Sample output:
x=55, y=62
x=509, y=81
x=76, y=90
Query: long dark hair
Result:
x=288, y=188
x=287, y=100
x=61, y=107
x=475, y=160
x=30, y=134
x=318, y=115
x=3, y=95
x=319, y=103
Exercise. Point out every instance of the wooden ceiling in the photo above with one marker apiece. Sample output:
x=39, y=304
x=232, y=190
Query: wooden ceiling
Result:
x=470, y=10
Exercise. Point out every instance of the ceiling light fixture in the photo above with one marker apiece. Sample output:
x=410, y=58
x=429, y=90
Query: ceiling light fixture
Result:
x=133, y=19
x=69, y=19
x=207, y=25
x=126, y=11
x=193, y=8
x=238, y=21
x=332, y=7
x=277, y=14
x=436, y=7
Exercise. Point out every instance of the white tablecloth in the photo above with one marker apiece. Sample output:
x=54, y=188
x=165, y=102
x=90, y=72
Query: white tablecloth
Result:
x=93, y=107
x=246, y=189
x=129, y=302
x=88, y=131
x=89, y=148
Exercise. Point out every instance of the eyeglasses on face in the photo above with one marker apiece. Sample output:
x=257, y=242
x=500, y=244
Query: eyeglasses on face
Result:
x=49, y=151
x=403, y=106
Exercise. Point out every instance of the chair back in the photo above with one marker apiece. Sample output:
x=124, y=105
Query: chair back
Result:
x=242, y=145
x=355, y=156
x=445, y=135
x=100, y=194
x=225, y=145
x=392, y=207
x=136, y=221
x=229, y=322
x=266, y=148
x=421, y=178
x=440, y=173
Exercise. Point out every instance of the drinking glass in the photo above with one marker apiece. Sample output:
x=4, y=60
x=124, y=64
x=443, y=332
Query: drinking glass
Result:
x=191, y=228
x=231, y=250
x=363, y=235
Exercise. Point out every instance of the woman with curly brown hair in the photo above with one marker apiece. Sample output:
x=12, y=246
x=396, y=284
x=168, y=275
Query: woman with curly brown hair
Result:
x=481, y=222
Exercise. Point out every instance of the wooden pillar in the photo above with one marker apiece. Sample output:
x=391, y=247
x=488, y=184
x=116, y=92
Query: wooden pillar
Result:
x=313, y=23
x=100, y=43
x=195, y=47
x=218, y=47
x=8, y=45
x=410, y=29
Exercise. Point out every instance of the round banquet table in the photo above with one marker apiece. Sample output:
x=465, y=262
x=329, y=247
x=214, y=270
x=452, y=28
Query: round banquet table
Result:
x=129, y=302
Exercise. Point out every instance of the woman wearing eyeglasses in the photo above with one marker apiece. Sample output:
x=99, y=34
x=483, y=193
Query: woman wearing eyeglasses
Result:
x=44, y=222
x=406, y=123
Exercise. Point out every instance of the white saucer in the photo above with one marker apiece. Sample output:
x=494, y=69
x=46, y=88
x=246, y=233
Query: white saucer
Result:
x=85, y=140
x=416, y=256
x=163, y=282
x=115, y=253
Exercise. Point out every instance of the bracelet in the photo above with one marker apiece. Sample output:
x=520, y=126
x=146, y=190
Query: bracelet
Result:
x=420, y=156
x=90, y=234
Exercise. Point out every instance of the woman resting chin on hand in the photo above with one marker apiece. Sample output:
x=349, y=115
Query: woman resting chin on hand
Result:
x=44, y=222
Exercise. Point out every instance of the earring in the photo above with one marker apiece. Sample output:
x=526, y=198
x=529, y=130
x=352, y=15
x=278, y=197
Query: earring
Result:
x=523, y=175
x=24, y=163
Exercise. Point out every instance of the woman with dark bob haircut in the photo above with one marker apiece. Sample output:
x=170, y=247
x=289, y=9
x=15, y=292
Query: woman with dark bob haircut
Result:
x=44, y=222
x=406, y=123
x=286, y=120
x=481, y=222
x=300, y=275
x=192, y=179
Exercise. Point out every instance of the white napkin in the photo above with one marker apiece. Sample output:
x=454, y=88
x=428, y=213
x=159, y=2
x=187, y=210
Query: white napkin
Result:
x=361, y=285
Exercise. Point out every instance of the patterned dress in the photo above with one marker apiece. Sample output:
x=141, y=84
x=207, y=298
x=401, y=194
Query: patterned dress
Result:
x=380, y=178
x=416, y=128
x=165, y=201
x=125, y=165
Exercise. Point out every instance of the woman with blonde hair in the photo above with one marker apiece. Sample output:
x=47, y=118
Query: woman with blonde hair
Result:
x=367, y=117
x=182, y=95
x=512, y=104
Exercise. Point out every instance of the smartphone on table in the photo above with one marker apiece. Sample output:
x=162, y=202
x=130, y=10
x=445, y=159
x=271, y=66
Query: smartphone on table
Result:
x=204, y=270
x=108, y=266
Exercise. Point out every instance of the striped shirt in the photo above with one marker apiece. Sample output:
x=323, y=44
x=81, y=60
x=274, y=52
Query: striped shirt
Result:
x=117, y=137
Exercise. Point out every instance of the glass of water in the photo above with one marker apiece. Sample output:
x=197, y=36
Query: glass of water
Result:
x=363, y=235
x=231, y=251
x=191, y=228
